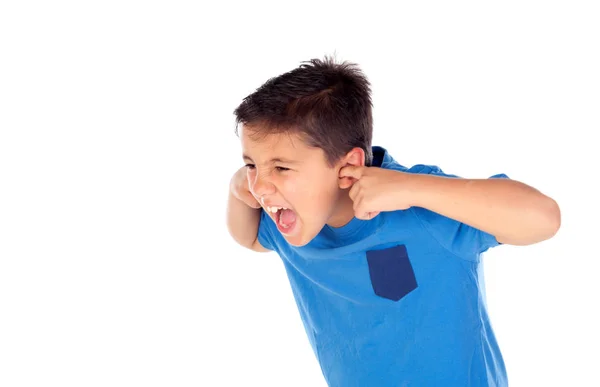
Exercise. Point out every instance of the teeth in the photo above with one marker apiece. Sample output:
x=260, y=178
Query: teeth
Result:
x=275, y=209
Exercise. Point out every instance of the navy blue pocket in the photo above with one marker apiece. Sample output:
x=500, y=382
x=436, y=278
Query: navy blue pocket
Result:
x=391, y=272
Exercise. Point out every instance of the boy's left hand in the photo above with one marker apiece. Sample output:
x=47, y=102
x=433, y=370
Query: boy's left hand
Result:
x=375, y=190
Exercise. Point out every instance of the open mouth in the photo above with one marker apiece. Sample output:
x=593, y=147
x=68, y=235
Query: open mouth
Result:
x=285, y=218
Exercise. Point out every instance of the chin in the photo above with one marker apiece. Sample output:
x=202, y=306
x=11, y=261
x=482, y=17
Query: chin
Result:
x=297, y=241
x=302, y=239
x=301, y=235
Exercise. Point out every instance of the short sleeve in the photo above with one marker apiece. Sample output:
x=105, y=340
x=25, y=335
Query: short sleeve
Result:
x=459, y=238
x=265, y=236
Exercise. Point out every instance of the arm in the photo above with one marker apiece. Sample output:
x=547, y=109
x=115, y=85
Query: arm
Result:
x=513, y=212
x=243, y=213
x=242, y=223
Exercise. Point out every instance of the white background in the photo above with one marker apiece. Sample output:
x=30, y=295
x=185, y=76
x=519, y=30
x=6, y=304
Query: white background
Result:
x=117, y=146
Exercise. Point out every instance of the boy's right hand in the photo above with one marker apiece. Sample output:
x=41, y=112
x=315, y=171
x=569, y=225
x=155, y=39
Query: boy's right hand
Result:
x=239, y=188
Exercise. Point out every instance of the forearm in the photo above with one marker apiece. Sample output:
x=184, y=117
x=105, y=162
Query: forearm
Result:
x=242, y=221
x=513, y=212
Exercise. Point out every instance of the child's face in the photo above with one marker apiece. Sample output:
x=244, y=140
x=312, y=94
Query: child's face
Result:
x=284, y=172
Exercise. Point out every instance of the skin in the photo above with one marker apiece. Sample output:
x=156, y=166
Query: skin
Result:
x=515, y=213
x=284, y=171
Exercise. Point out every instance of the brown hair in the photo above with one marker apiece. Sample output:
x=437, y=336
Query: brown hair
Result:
x=327, y=103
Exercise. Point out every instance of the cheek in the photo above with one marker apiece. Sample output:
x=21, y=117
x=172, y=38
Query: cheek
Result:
x=316, y=194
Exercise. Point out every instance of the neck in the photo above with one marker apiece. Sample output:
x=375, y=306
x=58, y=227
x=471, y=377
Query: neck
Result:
x=343, y=212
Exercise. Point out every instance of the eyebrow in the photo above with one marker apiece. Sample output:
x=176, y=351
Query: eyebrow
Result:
x=274, y=160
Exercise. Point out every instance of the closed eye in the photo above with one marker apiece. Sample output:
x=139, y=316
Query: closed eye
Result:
x=280, y=169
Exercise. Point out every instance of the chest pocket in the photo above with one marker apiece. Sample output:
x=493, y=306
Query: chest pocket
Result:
x=391, y=272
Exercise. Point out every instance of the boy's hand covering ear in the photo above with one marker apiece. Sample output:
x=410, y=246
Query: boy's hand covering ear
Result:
x=374, y=189
x=239, y=188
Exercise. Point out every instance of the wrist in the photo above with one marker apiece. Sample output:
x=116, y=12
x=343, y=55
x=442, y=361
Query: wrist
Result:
x=415, y=186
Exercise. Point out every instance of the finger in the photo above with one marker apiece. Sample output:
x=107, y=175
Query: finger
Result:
x=346, y=182
x=365, y=215
x=358, y=207
x=373, y=214
x=353, y=193
x=251, y=201
x=362, y=215
x=359, y=210
x=253, y=204
x=351, y=171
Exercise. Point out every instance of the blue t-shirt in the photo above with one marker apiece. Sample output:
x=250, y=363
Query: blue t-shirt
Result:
x=397, y=300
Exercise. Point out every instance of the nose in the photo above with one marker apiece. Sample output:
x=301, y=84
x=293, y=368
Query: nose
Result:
x=259, y=184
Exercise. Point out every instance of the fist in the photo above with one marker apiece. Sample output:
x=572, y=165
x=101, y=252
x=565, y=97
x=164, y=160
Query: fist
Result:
x=239, y=188
x=374, y=190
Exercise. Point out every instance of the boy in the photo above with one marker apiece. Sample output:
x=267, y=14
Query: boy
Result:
x=383, y=260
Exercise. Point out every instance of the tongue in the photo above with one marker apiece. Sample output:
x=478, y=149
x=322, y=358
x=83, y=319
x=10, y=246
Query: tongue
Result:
x=287, y=217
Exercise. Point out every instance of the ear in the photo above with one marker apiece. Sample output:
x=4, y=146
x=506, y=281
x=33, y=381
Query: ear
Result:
x=355, y=157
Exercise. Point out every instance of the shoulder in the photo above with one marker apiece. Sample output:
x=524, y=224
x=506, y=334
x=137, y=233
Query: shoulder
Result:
x=432, y=169
x=425, y=169
x=382, y=158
